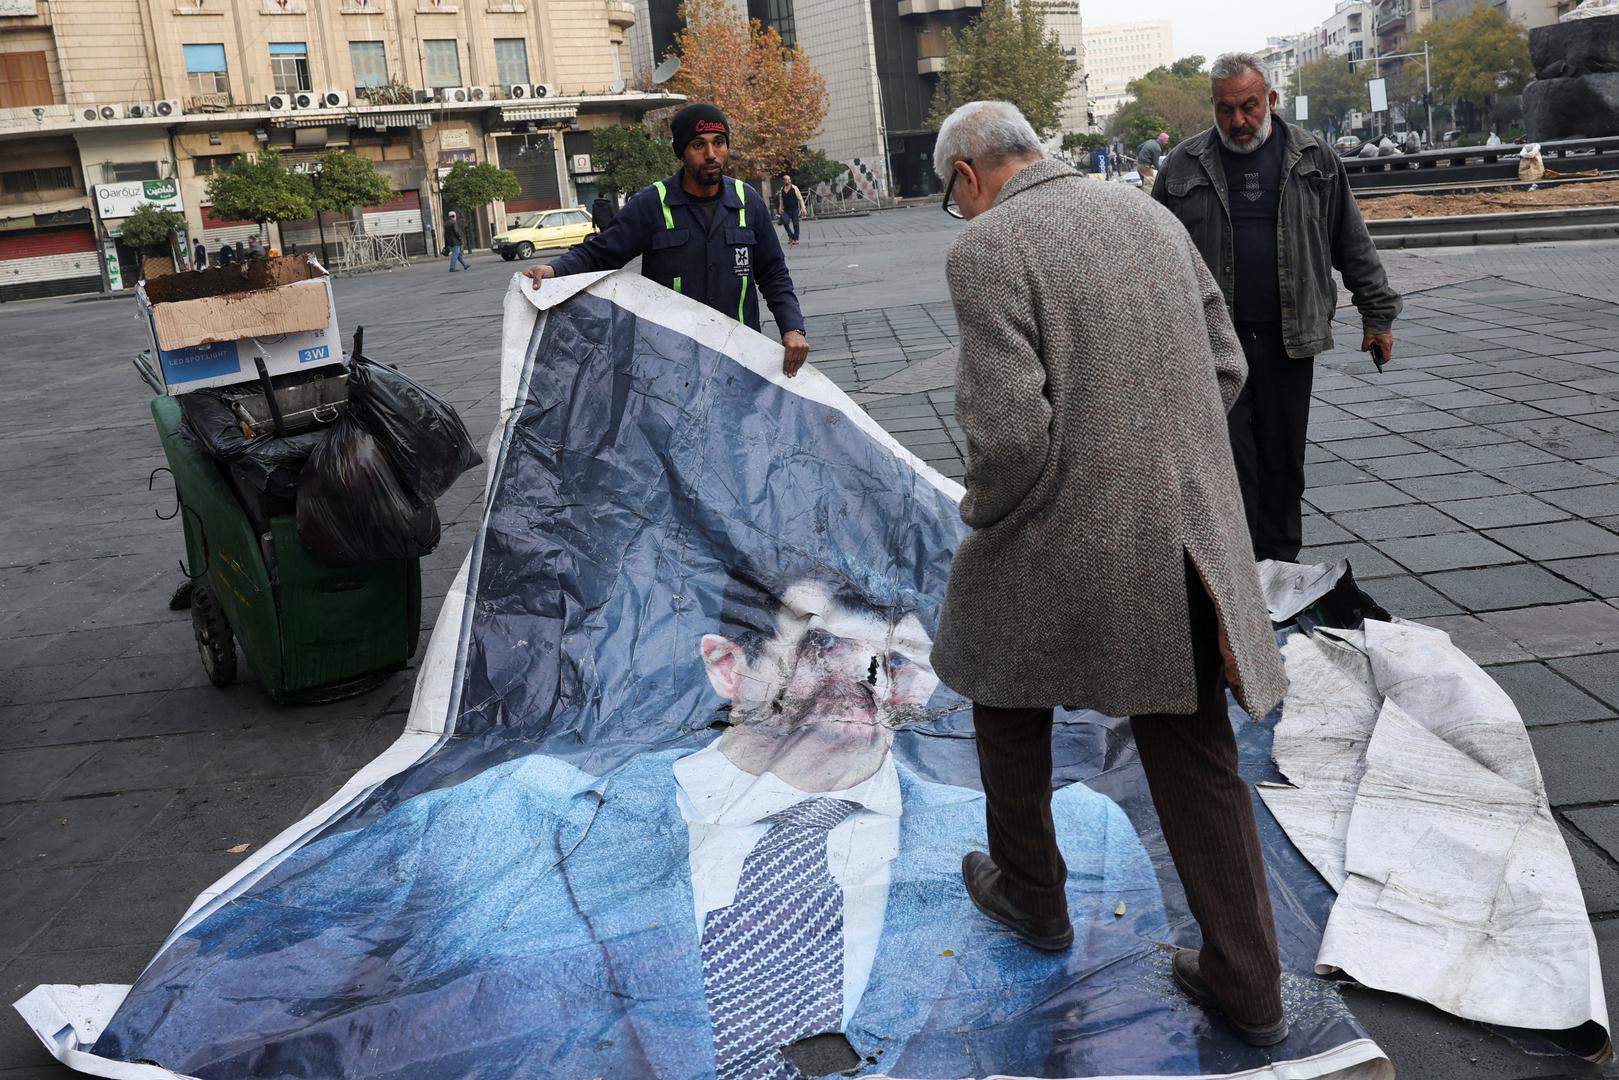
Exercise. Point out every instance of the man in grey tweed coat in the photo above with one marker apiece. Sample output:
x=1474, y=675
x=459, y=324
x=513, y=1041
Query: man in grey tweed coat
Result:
x=1109, y=565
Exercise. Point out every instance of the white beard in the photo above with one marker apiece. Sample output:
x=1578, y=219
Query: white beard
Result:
x=1253, y=144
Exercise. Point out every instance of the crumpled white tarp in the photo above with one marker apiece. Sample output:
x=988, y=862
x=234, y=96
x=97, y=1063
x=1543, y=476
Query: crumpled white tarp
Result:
x=1415, y=792
x=1291, y=587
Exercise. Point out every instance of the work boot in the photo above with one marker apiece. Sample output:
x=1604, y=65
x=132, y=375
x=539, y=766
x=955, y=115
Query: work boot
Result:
x=1188, y=972
x=986, y=887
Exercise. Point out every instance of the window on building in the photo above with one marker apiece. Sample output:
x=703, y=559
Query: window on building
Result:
x=442, y=58
x=118, y=172
x=289, y=66
x=370, y=62
x=511, y=61
x=31, y=181
x=205, y=69
x=208, y=164
x=25, y=80
x=776, y=13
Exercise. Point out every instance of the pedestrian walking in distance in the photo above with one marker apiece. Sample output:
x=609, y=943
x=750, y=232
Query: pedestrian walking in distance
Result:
x=1108, y=563
x=1149, y=155
x=701, y=233
x=790, y=201
x=199, y=255
x=452, y=243
x=1273, y=176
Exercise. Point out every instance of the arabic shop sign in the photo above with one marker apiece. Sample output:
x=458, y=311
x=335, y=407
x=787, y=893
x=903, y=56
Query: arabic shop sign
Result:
x=120, y=200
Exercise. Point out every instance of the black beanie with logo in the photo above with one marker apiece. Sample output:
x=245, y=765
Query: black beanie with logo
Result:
x=695, y=120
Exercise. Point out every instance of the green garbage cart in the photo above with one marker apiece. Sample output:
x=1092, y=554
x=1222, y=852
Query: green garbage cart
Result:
x=309, y=632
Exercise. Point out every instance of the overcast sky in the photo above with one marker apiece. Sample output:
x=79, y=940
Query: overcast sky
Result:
x=1212, y=28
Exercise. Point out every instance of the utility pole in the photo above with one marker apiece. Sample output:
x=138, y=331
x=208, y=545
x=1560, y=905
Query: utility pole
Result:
x=1427, y=81
x=1427, y=76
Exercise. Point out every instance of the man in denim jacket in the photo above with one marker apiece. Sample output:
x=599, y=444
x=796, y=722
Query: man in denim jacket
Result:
x=1271, y=212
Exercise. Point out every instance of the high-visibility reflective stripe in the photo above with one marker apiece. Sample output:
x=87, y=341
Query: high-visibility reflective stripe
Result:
x=742, y=214
x=677, y=284
x=663, y=201
x=742, y=300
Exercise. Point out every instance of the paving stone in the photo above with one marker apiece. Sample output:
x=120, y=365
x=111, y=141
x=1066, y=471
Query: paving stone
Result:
x=1598, y=876
x=1366, y=560
x=1459, y=399
x=1597, y=674
x=1320, y=529
x=135, y=902
x=1587, y=502
x=1598, y=573
x=1545, y=697
x=76, y=831
x=1558, y=540
x=1426, y=420
x=1456, y=438
x=1336, y=430
x=1533, y=392
x=1483, y=643
x=1495, y=587
x=1391, y=521
x=1426, y=554
x=1329, y=473
x=1600, y=824
x=30, y=772
x=209, y=818
x=1575, y=629
x=1494, y=414
x=1453, y=487
x=1493, y=456
x=1578, y=404
x=1406, y=465
x=1383, y=407
x=1339, y=497
x=1552, y=476
x=1375, y=447
x=1576, y=760
x=1502, y=510
x=1408, y=598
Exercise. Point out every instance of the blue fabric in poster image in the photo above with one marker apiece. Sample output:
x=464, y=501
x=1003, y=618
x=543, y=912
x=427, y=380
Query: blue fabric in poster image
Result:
x=699, y=794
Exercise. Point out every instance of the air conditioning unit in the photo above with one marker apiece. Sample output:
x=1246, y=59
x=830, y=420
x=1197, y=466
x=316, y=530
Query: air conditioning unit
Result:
x=95, y=114
x=278, y=102
x=478, y=93
x=305, y=99
x=171, y=107
x=334, y=99
x=520, y=91
x=544, y=90
x=137, y=110
x=453, y=93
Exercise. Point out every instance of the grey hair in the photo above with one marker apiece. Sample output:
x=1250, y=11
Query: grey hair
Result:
x=1232, y=64
x=989, y=132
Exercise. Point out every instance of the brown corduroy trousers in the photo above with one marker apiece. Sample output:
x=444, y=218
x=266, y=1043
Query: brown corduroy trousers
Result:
x=1203, y=808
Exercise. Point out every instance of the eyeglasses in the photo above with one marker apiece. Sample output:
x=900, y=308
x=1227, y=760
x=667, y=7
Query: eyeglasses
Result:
x=949, y=204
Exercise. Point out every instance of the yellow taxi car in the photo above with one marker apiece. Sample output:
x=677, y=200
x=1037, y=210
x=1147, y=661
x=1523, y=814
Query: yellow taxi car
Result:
x=543, y=230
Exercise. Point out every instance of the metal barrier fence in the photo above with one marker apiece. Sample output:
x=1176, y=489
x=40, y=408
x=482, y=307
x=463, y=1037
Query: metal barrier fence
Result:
x=359, y=251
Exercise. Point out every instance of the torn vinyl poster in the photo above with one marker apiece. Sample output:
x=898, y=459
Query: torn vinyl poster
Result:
x=679, y=787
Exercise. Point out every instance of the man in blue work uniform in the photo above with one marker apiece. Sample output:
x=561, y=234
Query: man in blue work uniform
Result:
x=700, y=233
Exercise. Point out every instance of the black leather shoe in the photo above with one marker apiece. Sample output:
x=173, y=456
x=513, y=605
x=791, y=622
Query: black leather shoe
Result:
x=1188, y=973
x=983, y=880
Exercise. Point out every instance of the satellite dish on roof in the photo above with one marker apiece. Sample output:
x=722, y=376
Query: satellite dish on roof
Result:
x=617, y=87
x=666, y=70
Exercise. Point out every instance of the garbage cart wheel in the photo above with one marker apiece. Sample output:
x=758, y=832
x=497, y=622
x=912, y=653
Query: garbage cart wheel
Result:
x=214, y=640
x=525, y=249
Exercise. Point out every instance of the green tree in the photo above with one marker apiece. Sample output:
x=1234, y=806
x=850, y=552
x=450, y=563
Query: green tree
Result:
x=150, y=227
x=1334, y=88
x=1005, y=55
x=1173, y=99
x=261, y=190
x=1477, y=58
x=342, y=182
x=814, y=168
x=469, y=187
x=627, y=158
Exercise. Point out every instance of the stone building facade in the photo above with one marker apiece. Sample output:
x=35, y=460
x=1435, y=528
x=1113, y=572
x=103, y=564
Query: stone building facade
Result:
x=108, y=103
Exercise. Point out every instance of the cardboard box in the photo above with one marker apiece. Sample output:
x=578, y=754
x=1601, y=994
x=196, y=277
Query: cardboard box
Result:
x=208, y=327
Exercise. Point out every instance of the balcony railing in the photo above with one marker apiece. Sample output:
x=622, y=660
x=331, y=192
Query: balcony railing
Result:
x=933, y=7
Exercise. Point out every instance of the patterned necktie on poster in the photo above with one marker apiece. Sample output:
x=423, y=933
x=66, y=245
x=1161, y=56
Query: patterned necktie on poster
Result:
x=773, y=959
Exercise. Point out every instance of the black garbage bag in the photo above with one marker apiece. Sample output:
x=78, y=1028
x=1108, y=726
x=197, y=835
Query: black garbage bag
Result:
x=268, y=462
x=352, y=507
x=1345, y=607
x=422, y=434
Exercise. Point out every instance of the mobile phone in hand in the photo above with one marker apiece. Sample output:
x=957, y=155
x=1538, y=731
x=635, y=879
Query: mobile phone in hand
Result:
x=1378, y=356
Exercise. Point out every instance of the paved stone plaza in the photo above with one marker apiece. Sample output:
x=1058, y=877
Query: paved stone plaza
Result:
x=1474, y=485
